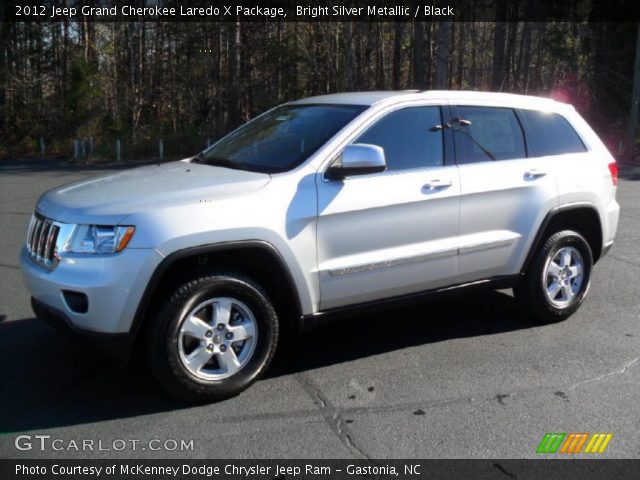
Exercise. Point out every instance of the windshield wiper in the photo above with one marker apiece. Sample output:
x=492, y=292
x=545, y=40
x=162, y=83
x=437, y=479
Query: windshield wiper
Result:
x=218, y=162
x=197, y=158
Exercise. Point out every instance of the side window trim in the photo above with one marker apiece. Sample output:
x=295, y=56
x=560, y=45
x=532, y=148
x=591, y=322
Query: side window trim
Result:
x=526, y=127
x=522, y=122
x=449, y=146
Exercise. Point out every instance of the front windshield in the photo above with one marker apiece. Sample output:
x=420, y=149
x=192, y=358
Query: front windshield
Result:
x=281, y=139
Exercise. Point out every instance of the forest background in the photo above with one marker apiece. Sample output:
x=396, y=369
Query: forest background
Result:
x=189, y=83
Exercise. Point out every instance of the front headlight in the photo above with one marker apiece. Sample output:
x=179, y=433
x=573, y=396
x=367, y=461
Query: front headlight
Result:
x=99, y=238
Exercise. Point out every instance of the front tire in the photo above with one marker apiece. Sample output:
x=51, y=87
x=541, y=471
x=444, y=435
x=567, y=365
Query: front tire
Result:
x=558, y=278
x=213, y=337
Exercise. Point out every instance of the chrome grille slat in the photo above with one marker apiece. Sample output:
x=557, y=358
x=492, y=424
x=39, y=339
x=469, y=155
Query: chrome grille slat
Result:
x=30, y=232
x=48, y=249
x=36, y=236
x=44, y=232
x=42, y=241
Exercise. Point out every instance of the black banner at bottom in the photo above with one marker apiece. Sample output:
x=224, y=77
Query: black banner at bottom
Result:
x=318, y=469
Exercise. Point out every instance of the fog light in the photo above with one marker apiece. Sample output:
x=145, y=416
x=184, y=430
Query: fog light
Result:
x=76, y=301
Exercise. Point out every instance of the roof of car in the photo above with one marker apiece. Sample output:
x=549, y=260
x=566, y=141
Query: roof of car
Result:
x=375, y=97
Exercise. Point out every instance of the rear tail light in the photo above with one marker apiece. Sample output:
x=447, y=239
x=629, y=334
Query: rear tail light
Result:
x=613, y=168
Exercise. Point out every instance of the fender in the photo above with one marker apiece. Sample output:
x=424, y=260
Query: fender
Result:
x=162, y=267
x=546, y=221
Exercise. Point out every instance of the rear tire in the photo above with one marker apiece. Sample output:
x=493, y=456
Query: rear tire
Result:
x=213, y=337
x=558, y=278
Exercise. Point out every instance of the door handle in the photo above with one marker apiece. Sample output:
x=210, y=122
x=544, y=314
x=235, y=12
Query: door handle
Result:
x=436, y=184
x=534, y=173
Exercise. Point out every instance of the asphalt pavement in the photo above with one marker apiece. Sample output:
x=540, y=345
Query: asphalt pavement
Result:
x=464, y=377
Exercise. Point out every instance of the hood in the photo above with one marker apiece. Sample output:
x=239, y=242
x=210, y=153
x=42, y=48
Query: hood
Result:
x=108, y=199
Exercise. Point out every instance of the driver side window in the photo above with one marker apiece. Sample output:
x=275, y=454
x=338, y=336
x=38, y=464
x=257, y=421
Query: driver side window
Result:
x=408, y=138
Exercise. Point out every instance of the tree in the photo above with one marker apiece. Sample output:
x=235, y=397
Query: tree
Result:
x=444, y=42
x=190, y=82
x=418, y=56
x=635, y=99
x=499, y=39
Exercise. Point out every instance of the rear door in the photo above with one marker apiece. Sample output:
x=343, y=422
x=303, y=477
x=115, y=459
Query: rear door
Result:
x=504, y=194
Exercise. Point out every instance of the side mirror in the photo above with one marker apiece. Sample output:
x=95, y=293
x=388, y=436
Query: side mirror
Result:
x=358, y=159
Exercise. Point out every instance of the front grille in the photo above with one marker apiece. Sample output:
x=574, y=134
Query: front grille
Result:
x=42, y=241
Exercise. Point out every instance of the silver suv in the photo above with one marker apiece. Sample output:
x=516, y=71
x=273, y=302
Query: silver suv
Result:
x=317, y=208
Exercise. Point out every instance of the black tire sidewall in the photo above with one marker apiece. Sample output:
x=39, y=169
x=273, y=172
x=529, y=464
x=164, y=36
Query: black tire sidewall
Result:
x=169, y=367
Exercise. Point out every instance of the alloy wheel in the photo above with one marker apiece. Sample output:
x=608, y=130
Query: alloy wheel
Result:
x=563, y=276
x=217, y=338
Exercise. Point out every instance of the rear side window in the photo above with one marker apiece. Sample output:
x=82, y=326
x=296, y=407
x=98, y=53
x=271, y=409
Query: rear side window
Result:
x=550, y=134
x=408, y=138
x=492, y=134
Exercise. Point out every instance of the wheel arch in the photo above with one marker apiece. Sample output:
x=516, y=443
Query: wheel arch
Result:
x=255, y=258
x=580, y=217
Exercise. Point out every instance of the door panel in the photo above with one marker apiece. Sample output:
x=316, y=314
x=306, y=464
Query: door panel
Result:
x=500, y=208
x=385, y=235
x=391, y=233
x=502, y=201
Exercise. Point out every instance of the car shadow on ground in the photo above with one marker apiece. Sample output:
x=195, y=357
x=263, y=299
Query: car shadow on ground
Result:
x=347, y=339
x=49, y=383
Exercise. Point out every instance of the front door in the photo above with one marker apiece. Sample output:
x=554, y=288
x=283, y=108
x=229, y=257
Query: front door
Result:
x=391, y=233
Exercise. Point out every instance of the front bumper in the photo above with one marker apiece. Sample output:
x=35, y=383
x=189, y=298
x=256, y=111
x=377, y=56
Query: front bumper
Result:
x=116, y=346
x=113, y=286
